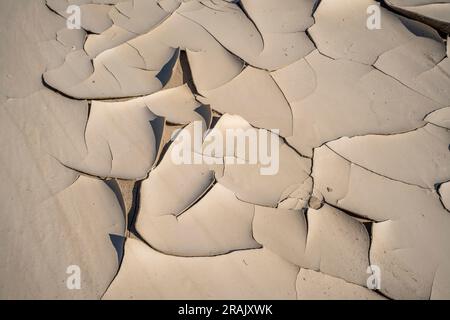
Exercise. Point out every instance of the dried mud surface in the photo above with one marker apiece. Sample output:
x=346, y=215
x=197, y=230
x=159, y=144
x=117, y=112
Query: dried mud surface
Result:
x=86, y=177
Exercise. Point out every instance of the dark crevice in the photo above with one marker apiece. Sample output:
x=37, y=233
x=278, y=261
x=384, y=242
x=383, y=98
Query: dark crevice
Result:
x=187, y=73
x=442, y=28
x=134, y=210
x=47, y=86
x=437, y=188
x=352, y=214
x=114, y=186
x=165, y=74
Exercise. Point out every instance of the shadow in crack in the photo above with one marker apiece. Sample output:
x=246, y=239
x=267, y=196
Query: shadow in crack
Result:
x=166, y=72
x=187, y=73
x=114, y=186
x=119, y=243
x=132, y=214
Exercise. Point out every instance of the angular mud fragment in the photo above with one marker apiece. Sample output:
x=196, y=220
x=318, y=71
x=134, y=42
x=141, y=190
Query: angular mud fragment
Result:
x=122, y=141
x=281, y=231
x=444, y=191
x=200, y=231
x=337, y=245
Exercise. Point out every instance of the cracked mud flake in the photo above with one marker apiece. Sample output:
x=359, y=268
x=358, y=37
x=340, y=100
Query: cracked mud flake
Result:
x=77, y=64
x=444, y=191
x=255, y=96
x=281, y=231
x=337, y=245
x=272, y=16
x=200, y=231
x=286, y=171
x=168, y=181
x=177, y=105
x=250, y=274
x=120, y=141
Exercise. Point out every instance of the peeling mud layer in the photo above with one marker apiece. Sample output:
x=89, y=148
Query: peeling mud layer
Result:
x=355, y=95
